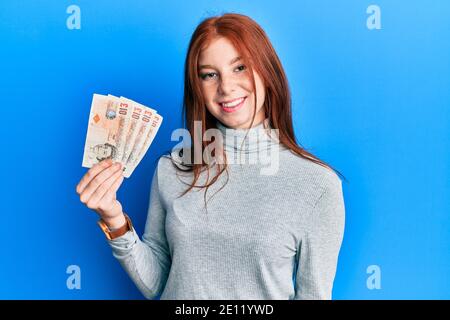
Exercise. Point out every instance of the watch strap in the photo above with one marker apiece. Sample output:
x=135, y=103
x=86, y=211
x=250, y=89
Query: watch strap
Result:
x=113, y=234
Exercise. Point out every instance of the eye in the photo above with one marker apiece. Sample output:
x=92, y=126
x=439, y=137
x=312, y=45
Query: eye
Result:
x=206, y=76
x=241, y=67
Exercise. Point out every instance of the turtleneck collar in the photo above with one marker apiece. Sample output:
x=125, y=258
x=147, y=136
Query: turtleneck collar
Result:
x=257, y=138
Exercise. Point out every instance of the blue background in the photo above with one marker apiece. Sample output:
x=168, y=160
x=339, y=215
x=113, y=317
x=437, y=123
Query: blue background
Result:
x=373, y=103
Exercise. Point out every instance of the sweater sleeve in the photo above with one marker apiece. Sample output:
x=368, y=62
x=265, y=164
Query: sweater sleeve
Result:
x=146, y=261
x=320, y=245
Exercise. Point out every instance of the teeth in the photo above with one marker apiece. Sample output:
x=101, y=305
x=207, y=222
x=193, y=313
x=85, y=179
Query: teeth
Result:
x=232, y=104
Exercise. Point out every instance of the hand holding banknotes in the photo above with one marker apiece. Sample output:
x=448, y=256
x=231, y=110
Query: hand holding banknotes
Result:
x=98, y=188
x=120, y=131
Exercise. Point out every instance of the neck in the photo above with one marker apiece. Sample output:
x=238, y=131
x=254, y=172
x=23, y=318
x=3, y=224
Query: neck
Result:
x=251, y=140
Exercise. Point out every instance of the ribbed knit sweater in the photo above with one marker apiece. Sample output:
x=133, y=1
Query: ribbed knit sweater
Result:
x=263, y=236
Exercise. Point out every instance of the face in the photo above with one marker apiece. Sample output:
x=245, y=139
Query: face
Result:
x=227, y=86
x=103, y=151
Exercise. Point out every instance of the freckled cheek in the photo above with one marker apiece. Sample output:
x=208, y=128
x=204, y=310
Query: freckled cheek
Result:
x=209, y=92
x=245, y=83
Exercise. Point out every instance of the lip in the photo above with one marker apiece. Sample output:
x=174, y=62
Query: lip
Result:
x=235, y=108
x=229, y=101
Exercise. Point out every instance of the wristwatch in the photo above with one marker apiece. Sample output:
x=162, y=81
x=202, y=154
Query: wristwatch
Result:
x=112, y=234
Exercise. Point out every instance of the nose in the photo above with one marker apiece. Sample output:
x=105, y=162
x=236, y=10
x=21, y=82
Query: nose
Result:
x=226, y=86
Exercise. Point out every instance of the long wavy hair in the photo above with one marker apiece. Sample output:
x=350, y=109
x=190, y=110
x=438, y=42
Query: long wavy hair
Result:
x=257, y=53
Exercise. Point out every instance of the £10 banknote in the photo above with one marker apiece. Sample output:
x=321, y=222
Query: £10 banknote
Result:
x=120, y=129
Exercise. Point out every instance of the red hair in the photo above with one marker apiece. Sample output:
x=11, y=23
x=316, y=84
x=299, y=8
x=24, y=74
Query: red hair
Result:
x=257, y=52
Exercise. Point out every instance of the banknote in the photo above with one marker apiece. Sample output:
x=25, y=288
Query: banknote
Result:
x=124, y=117
x=101, y=138
x=149, y=127
x=140, y=115
x=120, y=129
x=143, y=128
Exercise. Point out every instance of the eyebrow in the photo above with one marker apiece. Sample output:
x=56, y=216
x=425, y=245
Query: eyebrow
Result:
x=204, y=66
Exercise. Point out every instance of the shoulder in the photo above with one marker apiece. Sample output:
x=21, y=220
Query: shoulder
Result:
x=324, y=191
x=327, y=211
x=317, y=190
x=172, y=161
x=315, y=177
x=172, y=172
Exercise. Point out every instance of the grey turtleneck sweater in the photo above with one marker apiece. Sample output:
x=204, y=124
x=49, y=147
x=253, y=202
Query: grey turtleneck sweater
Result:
x=264, y=236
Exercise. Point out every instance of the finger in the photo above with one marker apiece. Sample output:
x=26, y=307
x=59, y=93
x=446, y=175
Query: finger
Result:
x=96, y=168
x=98, y=180
x=102, y=189
x=110, y=194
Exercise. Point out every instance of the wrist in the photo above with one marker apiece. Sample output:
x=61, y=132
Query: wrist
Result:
x=116, y=222
x=115, y=228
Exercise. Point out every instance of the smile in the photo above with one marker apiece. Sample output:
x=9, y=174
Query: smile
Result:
x=233, y=105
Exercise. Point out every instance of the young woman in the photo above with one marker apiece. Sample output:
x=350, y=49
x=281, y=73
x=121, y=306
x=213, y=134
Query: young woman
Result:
x=260, y=236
